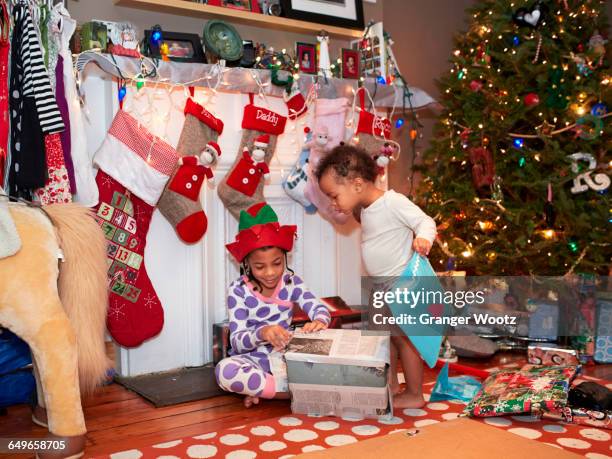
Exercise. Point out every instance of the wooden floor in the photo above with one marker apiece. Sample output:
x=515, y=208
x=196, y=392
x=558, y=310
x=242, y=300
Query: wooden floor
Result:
x=118, y=419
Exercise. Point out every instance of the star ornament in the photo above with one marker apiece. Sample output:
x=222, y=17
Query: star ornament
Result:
x=545, y=129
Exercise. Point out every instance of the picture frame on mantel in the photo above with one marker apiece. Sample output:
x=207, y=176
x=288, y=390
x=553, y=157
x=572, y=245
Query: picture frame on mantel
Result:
x=340, y=13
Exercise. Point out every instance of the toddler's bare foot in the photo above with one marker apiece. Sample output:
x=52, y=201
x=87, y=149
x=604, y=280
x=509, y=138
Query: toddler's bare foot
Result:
x=249, y=401
x=394, y=385
x=408, y=400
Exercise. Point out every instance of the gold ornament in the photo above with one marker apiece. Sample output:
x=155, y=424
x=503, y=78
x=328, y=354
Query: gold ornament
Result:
x=491, y=255
x=545, y=129
x=486, y=225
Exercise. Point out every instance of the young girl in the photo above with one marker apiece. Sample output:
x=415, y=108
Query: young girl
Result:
x=260, y=305
x=392, y=227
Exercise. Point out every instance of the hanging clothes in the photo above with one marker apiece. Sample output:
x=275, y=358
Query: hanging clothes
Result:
x=4, y=73
x=28, y=164
x=56, y=77
x=34, y=111
x=86, y=187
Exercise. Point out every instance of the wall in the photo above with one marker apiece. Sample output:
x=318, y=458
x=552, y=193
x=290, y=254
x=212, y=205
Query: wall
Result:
x=422, y=32
x=85, y=10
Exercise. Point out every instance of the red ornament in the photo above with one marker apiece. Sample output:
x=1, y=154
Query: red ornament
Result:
x=475, y=85
x=531, y=99
x=580, y=48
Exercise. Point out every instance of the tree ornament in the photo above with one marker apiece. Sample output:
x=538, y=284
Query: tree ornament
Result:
x=531, y=99
x=483, y=167
x=497, y=193
x=545, y=129
x=549, y=210
x=599, y=109
x=491, y=255
x=538, y=49
x=475, y=85
x=597, y=47
x=531, y=17
x=581, y=64
x=599, y=182
x=515, y=40
x=589, y=127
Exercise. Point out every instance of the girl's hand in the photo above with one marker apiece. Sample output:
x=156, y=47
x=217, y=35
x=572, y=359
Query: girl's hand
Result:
x=422, y=246
x=276, y=335
x=314, y=326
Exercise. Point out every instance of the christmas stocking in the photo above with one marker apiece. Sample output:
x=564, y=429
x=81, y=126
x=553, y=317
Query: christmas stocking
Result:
x=296, y=104
x=243, y=185
x=295, y=183
x=329, y=130
x=372, y=130
x=180, y=201
x=134, y=168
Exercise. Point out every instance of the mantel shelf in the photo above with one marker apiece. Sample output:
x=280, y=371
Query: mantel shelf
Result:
x=192, y=9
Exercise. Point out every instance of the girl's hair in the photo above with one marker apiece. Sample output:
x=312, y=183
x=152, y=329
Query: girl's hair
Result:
x=245, y=269
x=348, y=162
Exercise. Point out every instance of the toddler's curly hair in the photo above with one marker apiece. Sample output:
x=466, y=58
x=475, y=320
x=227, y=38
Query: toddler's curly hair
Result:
x=348, y=162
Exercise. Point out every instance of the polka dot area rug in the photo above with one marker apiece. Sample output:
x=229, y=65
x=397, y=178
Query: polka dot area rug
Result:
x=290, y=435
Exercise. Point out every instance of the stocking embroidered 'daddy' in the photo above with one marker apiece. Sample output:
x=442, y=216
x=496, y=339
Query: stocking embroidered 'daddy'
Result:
x=243, y=185
x=180, y=201
x=134, y=168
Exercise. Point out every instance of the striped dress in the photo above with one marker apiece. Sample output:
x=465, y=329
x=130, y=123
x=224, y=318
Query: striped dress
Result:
x=36, y=79
x=34, y=111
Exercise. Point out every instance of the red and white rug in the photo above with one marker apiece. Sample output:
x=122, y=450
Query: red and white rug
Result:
x=295, y=434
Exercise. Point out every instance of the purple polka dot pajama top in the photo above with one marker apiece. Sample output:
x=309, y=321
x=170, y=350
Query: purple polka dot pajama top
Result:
x=247, y=371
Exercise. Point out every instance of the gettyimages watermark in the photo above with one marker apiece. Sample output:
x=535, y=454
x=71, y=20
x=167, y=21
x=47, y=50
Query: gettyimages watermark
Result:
x=540, y=308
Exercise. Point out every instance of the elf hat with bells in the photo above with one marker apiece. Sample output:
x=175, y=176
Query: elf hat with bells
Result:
x=259, y=228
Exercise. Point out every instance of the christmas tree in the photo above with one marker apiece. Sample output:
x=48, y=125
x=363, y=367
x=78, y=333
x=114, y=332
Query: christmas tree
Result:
x=517, y=176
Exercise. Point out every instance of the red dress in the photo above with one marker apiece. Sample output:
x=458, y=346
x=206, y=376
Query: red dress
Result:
x=247, y=174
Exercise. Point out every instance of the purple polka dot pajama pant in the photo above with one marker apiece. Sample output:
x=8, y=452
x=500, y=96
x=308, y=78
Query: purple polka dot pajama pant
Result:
x=242, y=374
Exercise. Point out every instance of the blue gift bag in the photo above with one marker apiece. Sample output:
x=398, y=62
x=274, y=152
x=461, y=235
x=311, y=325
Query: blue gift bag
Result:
x=462, y=388
x=426, y=338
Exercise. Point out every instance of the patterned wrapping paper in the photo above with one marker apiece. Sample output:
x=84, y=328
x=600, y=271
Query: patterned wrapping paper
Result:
x=582, y=416
x=539, y=354
x=532, y=389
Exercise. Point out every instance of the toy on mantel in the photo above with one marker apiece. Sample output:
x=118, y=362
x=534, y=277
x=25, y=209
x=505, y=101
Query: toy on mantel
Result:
x=124, y=39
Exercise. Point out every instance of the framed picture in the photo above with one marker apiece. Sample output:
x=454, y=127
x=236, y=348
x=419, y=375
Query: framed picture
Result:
x=306, y=54
x=239, y=4
x=350, y=63
x=341, y=13
x=375, y=59
x=182, y=47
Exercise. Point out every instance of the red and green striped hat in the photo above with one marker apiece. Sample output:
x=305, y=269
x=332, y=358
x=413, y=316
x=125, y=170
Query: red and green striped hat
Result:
x=259, y=227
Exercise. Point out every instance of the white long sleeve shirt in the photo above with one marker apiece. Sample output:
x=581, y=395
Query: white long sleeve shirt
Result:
x=388, y=226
